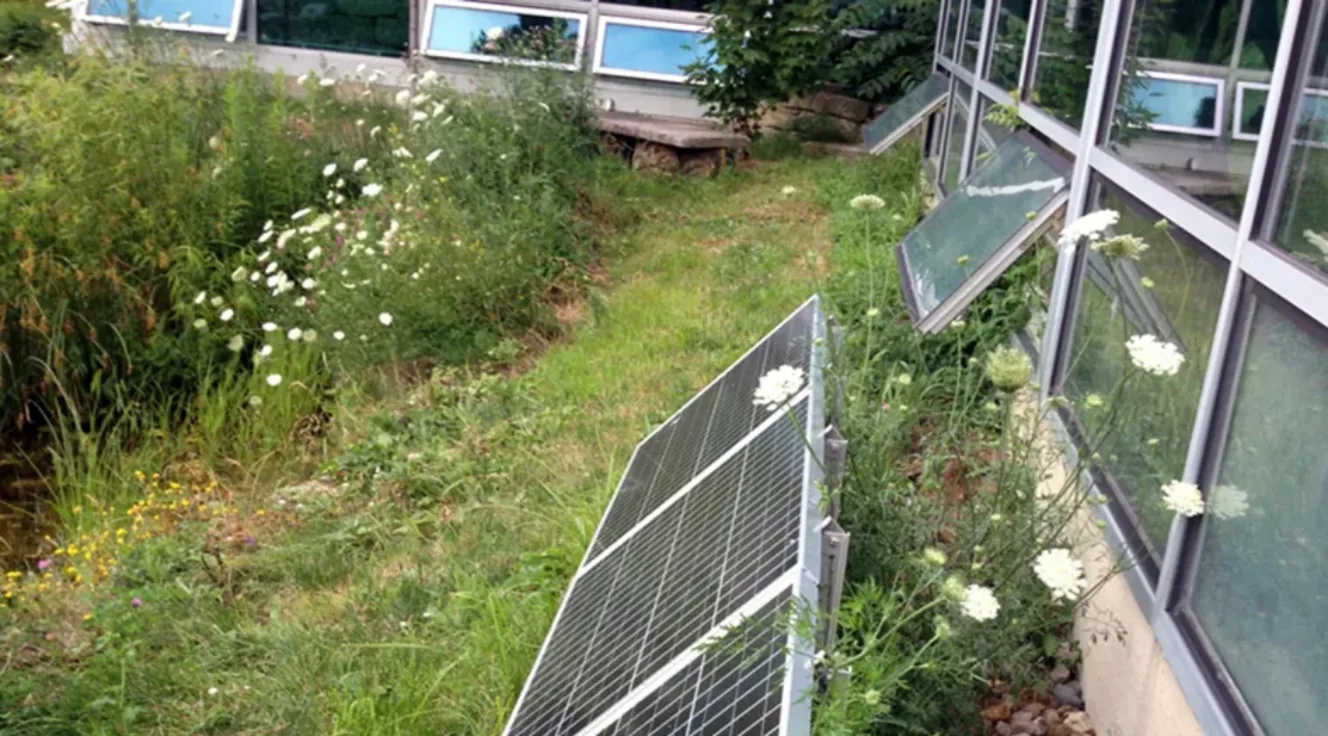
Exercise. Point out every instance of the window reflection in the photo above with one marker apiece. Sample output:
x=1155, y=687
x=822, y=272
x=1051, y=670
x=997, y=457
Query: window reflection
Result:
x=1261, y=587
x=1302, y=221
x=973, y=34
x=1065, y=58
x=1008, y=53
x=378, y=27
x=663, y=52
x=504, y=34
x=1172, y=292
x=1176, y=113
x=954, y=147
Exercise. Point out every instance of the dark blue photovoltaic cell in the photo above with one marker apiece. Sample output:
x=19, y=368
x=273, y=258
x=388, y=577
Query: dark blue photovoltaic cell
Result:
x=716, y=420
x=676, y=578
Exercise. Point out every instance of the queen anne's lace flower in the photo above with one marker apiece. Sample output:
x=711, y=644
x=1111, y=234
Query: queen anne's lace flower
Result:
x=236, y=344
x=274, y=380
x=980, y=603
x=1091, y=226
x=778, y=386
x=372, y=190
x=385, y=319
x=1061, y=572
x=1151, y=355
x=866, y=202
x=1183, y=498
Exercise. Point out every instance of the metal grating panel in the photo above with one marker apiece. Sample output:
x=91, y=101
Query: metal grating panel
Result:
x=697, y=561
x=732, y=690
x=703, y=430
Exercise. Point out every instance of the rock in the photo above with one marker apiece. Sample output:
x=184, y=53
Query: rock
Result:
x=1061, y=673
x=1079, y=724
x=1051, y=716
x=1004, y=729
x=997, y=710
x=655, y=158
x=1068, y=693
x=840, y=106
x=1059, y=729
x=1024, y=723
x=706, y=162
x=1034, y=709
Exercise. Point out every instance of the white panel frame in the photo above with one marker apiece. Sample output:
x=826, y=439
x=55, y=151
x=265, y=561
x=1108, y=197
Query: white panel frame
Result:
x=1238, y=109
x=583, y=22
x=601, y=34
x=230, y=32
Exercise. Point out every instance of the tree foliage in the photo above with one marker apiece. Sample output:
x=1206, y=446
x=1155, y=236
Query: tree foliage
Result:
x=895, y=56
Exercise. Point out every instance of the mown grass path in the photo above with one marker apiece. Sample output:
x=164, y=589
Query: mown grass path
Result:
x=413, y=596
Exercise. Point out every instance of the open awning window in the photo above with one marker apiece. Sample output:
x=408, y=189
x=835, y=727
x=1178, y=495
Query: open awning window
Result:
x=978, y=231
x=906, y=114
x=221, y=17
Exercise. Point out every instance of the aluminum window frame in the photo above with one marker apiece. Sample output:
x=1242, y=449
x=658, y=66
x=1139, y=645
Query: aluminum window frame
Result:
x=583, y=22
x=1254, y=263
x=229, y=32
x=601, y=29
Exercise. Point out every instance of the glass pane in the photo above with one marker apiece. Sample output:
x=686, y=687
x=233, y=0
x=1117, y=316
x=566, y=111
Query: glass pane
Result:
x=1173, y=293
x=1065, y=58
x=1008, y=55
x=660, y=51
x=952, y=28
x=910, y=107
x=1250, y=103
x=379, y=27
x=203, y=14
x=973, y=34
x=1302, y=224
x=978, y=220
x=990, y=136
x=1170, y=115
x=503, y=34
x=1263, y=29
x=1259, y=591
x=954, y=146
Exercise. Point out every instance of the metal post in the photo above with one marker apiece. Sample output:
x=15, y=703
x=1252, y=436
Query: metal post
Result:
x=980, y=64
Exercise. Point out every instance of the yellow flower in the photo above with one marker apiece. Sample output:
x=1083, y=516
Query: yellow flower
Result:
x=72, y=550
x=139, y=475
x=87, y=616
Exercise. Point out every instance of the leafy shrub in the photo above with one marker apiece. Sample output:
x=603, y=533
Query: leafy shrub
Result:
x=25, y=29
x=895, y=57
x=764, y=53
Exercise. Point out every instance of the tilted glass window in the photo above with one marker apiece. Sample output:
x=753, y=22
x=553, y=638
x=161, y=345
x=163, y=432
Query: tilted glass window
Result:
x=199, y=16
x=1065, y=58
x=650, y=50
x=1171, y=100
x=954, y=143
x=378, y=27
x=980, y=229
x=498, y=33
x=1008, y=52
x=1260, y=589
x=1173, y=292
x=906, y=113
x=952, y=28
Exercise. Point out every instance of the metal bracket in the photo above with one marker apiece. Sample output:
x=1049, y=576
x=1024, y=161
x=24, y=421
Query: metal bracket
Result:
x=834, y=565
x=836, y=455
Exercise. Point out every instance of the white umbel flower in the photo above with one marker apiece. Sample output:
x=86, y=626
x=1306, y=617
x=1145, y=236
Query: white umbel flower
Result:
x=372, y=190
x=294, y=333
x=239, y=274
x=866, y=202
x=778, y=386
x=329, y=170
x=385, y=319
x=274, y=380
x=1061, y=572
x=1092, y=226
x=360, y=163
x=236, y=344
x=1183, y=498
x=338, y=336
x=979, y=603
x=786, y=191
x=1228, y=502
x=227, y=315
x=270, y=327
x=1151, y=355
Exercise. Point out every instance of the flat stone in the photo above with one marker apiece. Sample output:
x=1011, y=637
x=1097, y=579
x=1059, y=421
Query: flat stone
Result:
x=829, y=103
x=670, y=131
x=1068, y=693
x=1079, y=724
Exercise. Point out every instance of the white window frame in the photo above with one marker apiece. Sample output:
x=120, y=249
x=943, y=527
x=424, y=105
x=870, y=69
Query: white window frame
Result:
x=230, y=32
x=601, y=36
x=582, y=20
x=1239, y=111
x=1219, y=110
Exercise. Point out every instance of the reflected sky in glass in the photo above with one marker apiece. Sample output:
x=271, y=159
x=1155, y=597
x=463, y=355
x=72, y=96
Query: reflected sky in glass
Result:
x=205, y=13
x=977, y=219
x=1176, y=103
x=652, y=50
x=468, y=30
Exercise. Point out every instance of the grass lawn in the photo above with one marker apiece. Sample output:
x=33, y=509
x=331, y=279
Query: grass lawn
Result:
x=407, y=587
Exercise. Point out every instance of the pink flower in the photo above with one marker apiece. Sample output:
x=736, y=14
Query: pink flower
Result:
x=136, y=602
x=43, y=564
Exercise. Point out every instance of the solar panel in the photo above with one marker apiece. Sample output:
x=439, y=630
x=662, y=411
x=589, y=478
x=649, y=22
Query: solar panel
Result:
x=909, y=111
x=715, y=523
